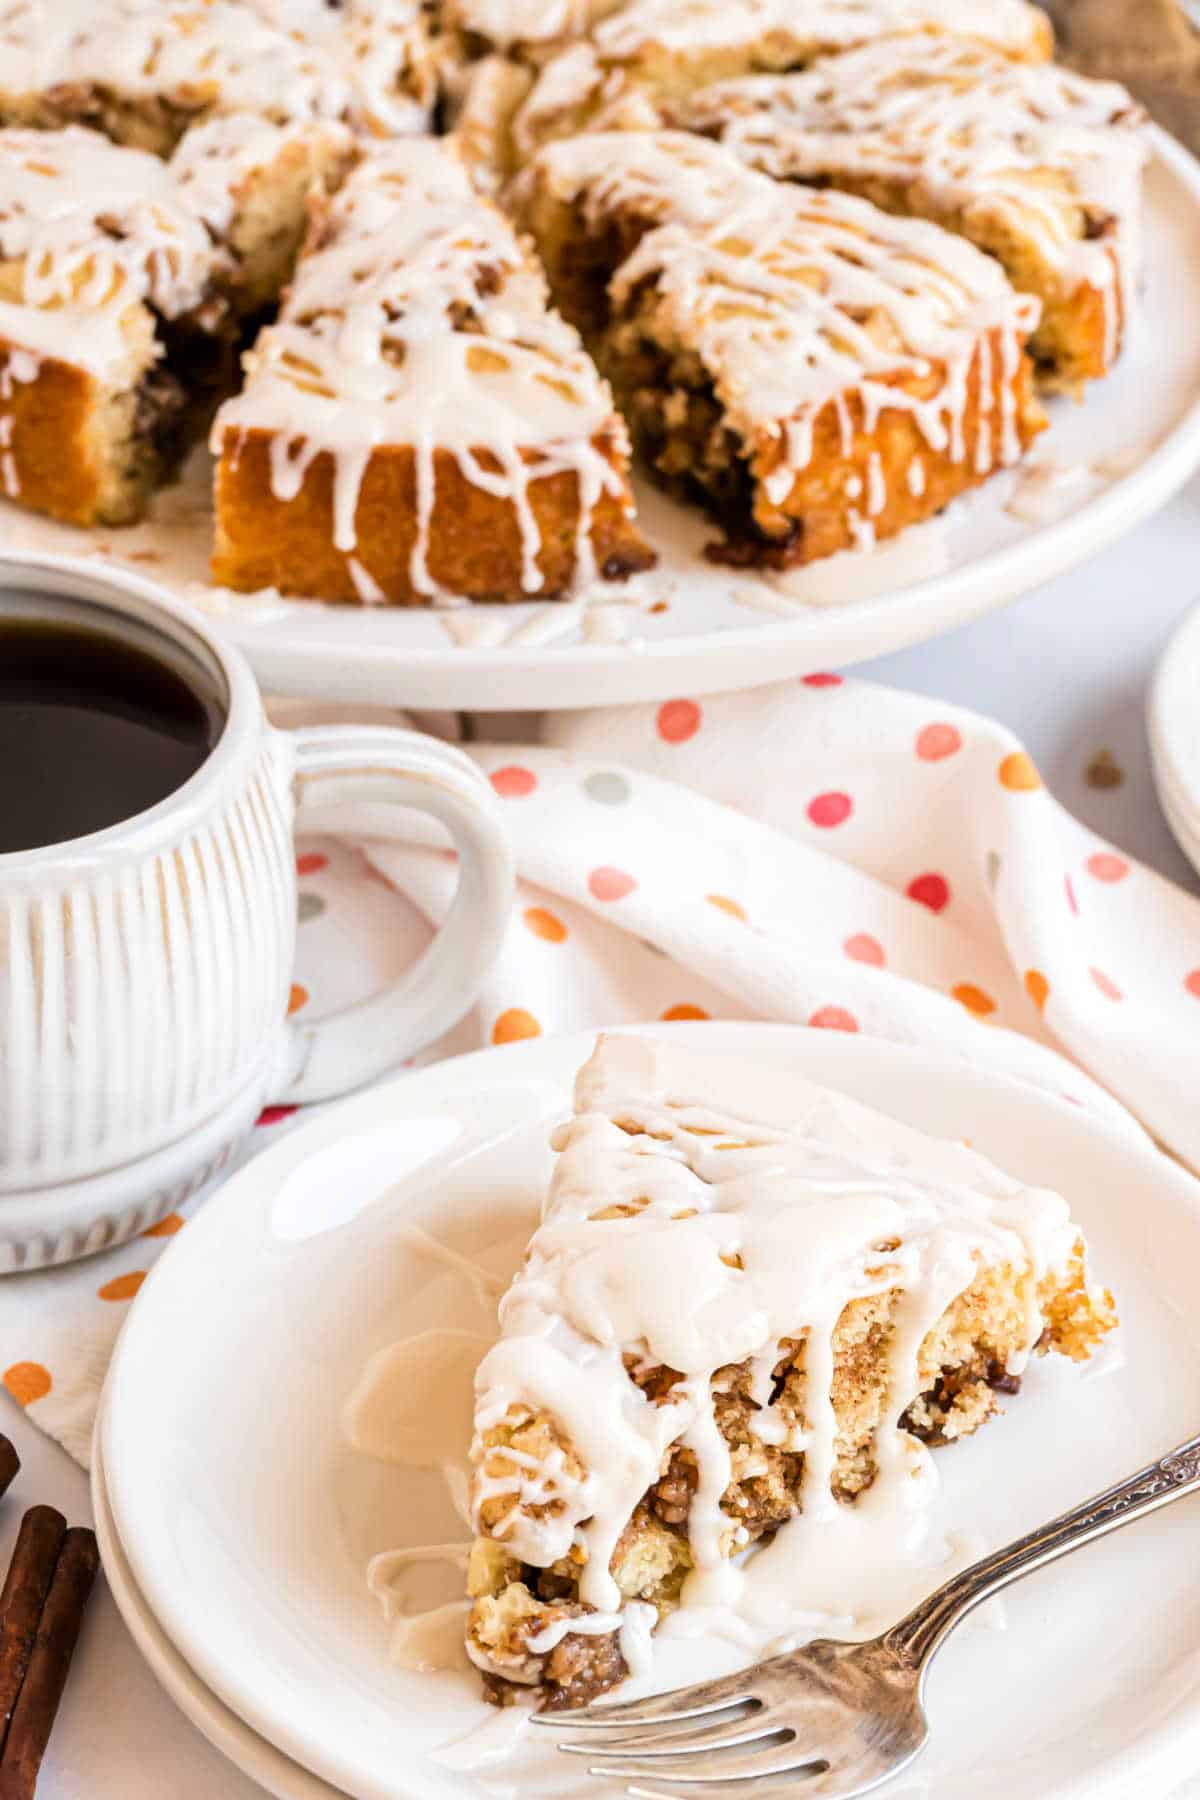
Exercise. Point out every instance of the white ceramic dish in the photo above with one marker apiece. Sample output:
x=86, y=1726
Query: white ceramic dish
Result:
x=1139, y=430
x=248, y=1523
x=1173, y=722
x=223, y=1729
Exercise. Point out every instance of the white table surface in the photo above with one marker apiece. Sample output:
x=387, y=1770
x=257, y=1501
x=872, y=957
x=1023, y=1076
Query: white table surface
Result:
x=1067, y=668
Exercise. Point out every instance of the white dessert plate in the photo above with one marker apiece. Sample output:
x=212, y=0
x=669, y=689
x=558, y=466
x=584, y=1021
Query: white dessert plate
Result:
x=1173, y=722
x=248, y=1522
x=1121, y=454
x=223, y=1729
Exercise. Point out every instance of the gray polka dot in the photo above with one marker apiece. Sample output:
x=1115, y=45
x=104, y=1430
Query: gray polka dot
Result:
x=993, y=867
x=309, y=906
x=608, y=788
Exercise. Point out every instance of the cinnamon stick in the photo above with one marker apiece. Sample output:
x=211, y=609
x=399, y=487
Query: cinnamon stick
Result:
x=22, y=1598
x=10, y=1462
x=46, y=1677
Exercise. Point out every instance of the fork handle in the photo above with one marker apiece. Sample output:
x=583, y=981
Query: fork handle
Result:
x=920, y=1634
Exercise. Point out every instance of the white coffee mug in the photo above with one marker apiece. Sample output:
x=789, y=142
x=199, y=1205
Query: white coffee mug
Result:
x=145, y=969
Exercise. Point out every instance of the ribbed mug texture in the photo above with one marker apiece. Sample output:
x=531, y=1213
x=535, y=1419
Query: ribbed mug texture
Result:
x=140, y=992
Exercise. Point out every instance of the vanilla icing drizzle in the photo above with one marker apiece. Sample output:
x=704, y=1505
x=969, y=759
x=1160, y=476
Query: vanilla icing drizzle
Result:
x=96, y=229
x=961, y=128
x=215, y=158
x=365, y=60
x=693, y=26
x=673, y=44
x=795, y=299
x=416, y=319
x=684, y=24
x=703, y=1209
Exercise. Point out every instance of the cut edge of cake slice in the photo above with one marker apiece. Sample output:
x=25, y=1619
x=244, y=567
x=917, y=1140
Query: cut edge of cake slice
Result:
x=817, y=373
x=253, y=182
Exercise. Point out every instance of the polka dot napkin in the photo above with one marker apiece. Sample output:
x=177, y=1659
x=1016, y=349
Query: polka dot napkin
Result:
x=828, y=852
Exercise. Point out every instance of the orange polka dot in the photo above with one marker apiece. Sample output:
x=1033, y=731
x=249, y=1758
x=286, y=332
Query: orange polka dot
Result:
x=678, y=720
x=166, y=1227
x=936, y=741
x=863, y=948
x=1037, y=987
x=513, y=783
x=1107, y=867
x=833, y=1018
x=974, y=999
x=123, y=1287
x=27, y=1382
x=1106, y=984
x=545, y=924
x=1192, y=983
x=610, y=884
x=311, y=863
x=685, y=1010
x=297, y=997
x=1018, y=773
x=724, y=904
x=513, y=1024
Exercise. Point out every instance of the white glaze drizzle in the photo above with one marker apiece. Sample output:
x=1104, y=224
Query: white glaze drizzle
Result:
x=1046, y=490
x=811, y=24
x=626, y=51
x=428, y=1638
x=365, y=60
x=722, y=1162
x=779, y=290
x=215, y=159
x=97, y=229
x=509, y=23
x=808, y=26
x=370, y=352
x=960, y=129
x=9, y=472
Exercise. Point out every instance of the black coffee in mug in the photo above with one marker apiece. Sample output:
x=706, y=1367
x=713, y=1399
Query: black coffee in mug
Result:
x=94, y=729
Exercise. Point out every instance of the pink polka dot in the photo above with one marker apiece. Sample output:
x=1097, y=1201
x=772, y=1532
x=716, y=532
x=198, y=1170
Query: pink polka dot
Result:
x=311, y=863
x=678, y=720
x=272, y=1115
x=1072, y=902
x=863, y=948
x=833, y=1018
x=828, y=810
x=610, y=884
x=1192, y=983
x=930, y=890
x=821, y=680
x=512, y=782
x=936, y=741
x=1106, y=984
x=1106, y=867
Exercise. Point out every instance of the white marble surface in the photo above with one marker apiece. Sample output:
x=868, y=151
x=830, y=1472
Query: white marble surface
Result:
x=1066, y=668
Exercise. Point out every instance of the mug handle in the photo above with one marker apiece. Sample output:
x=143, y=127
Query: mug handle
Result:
x=385, y=770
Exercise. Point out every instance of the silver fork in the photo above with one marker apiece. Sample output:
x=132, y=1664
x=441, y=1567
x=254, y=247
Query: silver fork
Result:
x=834, y=1720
